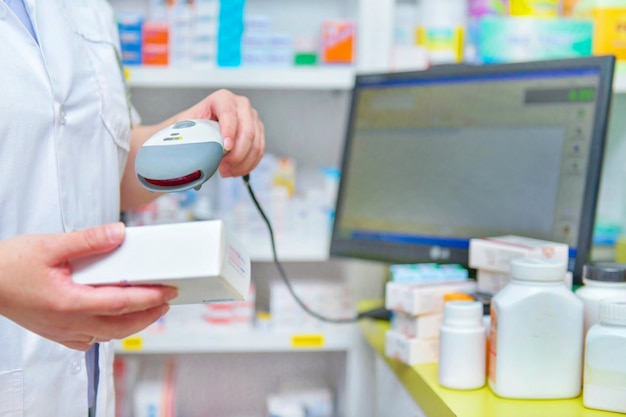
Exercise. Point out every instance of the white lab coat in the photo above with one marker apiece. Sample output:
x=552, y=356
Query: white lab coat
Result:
x=64, y=137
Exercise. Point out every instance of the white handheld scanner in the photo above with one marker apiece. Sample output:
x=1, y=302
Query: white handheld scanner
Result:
x=182, y=156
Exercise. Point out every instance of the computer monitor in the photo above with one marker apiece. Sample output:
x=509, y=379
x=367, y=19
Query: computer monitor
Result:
x=434, y=158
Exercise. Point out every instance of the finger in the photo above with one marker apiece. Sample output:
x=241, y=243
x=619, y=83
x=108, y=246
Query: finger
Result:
x=260, y=143
x=84, y=347
x=246, y=127
x=242, y=167
x=248, y=147
x=250, y=160
x=119, y=327
x=225, y=112
x=84, y=242
x=117, y=301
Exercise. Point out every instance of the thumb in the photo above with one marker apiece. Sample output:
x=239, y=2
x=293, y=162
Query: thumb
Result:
x=90, y=241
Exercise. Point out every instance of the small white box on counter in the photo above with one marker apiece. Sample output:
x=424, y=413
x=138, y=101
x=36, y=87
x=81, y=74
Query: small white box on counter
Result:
x=410, y=350
x=204, y=262
x=495, y=253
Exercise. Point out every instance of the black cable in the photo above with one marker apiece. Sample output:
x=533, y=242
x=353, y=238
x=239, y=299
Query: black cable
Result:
x=377, y=313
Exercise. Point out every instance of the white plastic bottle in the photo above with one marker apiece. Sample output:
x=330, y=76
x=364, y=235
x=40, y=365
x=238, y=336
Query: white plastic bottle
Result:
x=605, y=358
x=442, y=29
x=601, y=280
x=462, y=342
x=536, y=337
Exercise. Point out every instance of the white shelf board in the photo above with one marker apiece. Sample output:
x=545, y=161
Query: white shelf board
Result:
x=288, y=251
x=306, y=78
x=339, y=338
x=619, y=83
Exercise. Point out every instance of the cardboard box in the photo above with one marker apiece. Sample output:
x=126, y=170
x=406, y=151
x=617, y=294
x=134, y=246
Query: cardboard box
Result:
x=204, y=262
x=424, y=326
x=309, y=402
x=495, y=253
x=409, y=350
x=423, y=298
x=491, y=282
x=427, y=272
x=517, y=39
x=338, y=41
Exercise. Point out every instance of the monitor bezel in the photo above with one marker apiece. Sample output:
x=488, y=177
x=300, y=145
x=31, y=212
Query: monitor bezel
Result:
x=393, y=253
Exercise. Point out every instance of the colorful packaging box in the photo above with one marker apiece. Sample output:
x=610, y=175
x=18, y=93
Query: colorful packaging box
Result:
x=155, y=43
x=338, y=42
x=536, y=8
x=229, y=33
x=515, y=39
x=130, y=26
x=427, y=272
x=609, y=26
x=480, y=8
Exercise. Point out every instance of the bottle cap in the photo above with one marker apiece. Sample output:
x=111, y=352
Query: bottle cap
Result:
x=613, y=311
x=605, y=272
x=463, y=313
x=537, y=269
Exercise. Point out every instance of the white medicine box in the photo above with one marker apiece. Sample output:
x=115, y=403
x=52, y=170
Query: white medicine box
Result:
x=495, y=253
x=409, y=350
x=423, y=298
x=201, y=259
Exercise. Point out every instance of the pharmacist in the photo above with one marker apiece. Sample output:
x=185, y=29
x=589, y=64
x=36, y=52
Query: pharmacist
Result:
x=66, y=146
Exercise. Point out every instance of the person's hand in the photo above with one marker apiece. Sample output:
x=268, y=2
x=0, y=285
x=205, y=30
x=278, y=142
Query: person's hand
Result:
x=37, y=291
x=241, y=128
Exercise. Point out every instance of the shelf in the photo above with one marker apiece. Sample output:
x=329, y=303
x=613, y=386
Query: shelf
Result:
x=619, y=79
x=287, y=250
x=305, y=78
x=436, y=401
x=237, y=340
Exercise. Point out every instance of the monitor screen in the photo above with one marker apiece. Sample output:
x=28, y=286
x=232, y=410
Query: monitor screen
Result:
x=434, y=158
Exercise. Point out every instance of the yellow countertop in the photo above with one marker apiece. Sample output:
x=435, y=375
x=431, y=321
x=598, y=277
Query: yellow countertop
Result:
x=436, y=401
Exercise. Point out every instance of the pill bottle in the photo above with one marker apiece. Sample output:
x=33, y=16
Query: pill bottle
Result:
x=441, y=30
x=536, y=336
x=605, y=358
x=462, y=341
x=601, y=280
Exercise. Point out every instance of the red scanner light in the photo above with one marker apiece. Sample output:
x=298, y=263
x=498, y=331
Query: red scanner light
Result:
x=175, y=182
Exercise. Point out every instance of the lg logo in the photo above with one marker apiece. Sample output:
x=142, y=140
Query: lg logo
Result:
x=439, y=253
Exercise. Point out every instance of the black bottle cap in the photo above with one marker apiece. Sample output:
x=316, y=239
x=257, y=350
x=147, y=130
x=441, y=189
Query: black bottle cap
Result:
x=605, y=272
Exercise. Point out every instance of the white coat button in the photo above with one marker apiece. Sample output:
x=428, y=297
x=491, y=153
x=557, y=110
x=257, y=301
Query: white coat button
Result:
x=75, y=367
x=62, y=116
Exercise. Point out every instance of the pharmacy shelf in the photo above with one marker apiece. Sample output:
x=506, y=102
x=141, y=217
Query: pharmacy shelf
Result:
x=287, y=251
x=305, y=78
x=619, y=83
x=242, y=340
x=619, y=78
x=421, y=381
